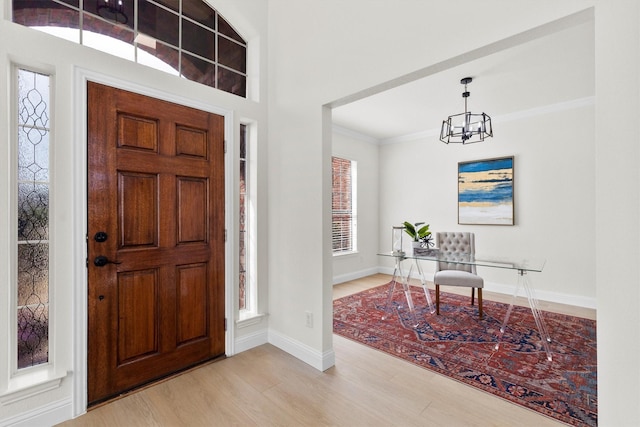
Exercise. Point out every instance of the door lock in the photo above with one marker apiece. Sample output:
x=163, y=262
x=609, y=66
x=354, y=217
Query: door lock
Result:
x=100, y=237
x=101, y=261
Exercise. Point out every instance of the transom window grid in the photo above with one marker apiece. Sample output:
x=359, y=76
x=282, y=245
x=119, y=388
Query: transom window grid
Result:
x=183, y=37
x=343, y=207
x=32, y=305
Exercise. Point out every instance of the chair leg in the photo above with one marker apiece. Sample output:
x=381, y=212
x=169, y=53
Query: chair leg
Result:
x=480, y=302
x=437, y=299
x=473, y=294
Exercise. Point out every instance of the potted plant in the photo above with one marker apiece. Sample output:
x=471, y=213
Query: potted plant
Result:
x=421, y=236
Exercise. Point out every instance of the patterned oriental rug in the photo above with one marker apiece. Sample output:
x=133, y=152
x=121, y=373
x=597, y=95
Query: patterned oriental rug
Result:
x=459, y=345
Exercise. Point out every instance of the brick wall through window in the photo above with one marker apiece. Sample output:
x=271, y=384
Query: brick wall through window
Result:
x=343, y=206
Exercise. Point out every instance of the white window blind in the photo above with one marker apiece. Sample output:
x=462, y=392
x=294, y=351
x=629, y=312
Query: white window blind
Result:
x=343, y=220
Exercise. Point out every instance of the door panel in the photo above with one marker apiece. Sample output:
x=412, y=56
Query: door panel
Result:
x=192, y=309
x=191, y=142
x=137, y=315
x=138, y=206
x=156, y=188
x=192, y=210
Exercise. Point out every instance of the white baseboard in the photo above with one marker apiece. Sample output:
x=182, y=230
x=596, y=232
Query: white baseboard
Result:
x=43, y=416
x=319, y=360
x=249, y=341
x=509, y=289
x=355, y=275
x=542, y=295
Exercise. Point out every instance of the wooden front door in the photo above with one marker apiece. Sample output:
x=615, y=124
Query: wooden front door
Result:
x=155, y=240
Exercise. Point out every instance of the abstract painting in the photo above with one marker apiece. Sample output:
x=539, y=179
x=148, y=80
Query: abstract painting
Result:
x=485, y=191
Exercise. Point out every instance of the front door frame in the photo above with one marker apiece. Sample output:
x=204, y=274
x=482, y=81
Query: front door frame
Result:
x=80, y=173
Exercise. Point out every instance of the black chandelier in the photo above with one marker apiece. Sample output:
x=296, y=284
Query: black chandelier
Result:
x=113, y=10
x=466, y=128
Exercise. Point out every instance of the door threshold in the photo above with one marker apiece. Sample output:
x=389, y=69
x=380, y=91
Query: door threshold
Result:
x=154, y=382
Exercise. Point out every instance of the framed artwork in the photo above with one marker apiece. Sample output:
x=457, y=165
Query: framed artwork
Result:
x=485, y=192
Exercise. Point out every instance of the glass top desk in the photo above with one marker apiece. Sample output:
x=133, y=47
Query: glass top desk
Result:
x=521, y=266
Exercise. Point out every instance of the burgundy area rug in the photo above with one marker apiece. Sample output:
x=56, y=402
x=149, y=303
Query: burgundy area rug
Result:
x=461, y=346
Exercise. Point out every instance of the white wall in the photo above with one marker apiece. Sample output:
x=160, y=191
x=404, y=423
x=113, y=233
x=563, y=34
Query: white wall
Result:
x=365, y=152
x=618, y=211
x=554, y=191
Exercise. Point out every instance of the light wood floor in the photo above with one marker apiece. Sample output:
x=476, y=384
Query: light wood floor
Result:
x=267, y=387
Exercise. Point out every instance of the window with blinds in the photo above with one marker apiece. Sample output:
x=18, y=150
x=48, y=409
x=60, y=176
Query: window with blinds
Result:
x=343, y=206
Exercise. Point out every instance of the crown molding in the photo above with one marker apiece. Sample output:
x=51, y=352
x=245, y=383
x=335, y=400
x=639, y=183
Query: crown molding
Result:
x=341, y=130
x=547, y=109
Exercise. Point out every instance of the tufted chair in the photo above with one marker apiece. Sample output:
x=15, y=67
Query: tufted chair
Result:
x=457, y=246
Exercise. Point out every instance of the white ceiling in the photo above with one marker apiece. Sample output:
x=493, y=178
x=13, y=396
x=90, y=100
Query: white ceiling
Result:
x=539, y=73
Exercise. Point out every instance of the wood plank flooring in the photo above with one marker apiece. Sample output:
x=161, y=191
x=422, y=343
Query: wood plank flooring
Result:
x=268, y=387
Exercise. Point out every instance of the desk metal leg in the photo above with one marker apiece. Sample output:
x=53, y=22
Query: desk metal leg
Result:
x=397, y=273
x=523, y=280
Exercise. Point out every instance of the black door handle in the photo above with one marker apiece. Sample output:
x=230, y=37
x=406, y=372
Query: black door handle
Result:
x=101, y=261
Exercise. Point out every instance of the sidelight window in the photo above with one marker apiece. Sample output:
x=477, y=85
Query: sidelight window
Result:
x=32, y=305
x=243, y=242
x=182, y=37
x=247, y=228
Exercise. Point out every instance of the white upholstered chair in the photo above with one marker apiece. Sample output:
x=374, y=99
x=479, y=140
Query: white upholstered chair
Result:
x=458, y=246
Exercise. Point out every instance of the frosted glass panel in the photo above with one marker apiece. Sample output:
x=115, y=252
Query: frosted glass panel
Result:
x=32, y=305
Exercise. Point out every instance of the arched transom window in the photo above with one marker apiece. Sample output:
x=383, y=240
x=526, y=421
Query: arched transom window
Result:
x=182, y=37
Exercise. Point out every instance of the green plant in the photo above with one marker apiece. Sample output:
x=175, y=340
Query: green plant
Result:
x=417, y=234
